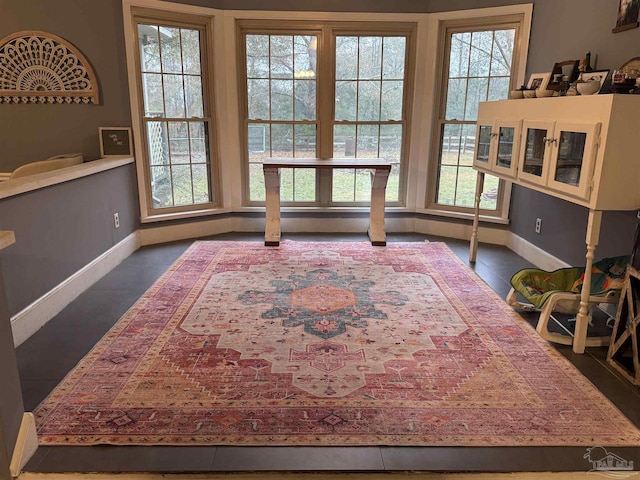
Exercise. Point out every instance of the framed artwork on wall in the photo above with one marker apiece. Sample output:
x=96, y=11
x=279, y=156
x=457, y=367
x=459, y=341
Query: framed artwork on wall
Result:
x=115, y=141
x=627, y=15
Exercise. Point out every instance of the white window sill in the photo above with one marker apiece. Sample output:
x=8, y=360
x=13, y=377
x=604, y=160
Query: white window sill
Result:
x=463, y=216
x=185, y=214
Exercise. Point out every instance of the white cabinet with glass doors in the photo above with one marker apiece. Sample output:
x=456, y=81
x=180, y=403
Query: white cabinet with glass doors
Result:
x=559, y=156
x=497, y=146
x=581, y=149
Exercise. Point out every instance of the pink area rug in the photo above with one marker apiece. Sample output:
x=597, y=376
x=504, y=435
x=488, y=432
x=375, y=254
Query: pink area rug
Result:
x=325, y=344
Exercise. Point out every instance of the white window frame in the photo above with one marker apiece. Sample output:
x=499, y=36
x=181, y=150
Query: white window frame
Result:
x=180, y=16
x=474, y=20
x=327, y=31
x=227, y=116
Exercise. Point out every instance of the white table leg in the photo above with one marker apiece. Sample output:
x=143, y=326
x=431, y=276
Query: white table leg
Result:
x=272, y=206
x=473, y=244
x=582, y=319
x=376, y=231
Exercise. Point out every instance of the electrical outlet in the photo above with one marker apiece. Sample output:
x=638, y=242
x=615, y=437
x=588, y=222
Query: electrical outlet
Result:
x=538, y=224
x=116, y=220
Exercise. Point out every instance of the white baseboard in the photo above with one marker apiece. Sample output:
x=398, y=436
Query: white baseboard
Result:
x=26, y=322
x=461, y=231
x=170, y=233
x=26, y=444
x=540, y=258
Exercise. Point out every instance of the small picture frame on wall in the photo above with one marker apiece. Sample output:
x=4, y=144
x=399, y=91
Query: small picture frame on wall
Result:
x=539, y=81
x=115, y=141
x=627, y=15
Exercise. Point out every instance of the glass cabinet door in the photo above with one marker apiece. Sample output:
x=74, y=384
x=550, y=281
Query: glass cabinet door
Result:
x=573, y=152
x=483, y=145
x=506, y=147
x=535, y=152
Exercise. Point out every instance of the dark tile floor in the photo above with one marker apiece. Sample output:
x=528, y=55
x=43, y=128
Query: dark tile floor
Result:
x=53, y=351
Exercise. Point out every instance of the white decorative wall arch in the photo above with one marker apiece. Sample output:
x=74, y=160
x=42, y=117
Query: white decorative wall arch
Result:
x=39, y=67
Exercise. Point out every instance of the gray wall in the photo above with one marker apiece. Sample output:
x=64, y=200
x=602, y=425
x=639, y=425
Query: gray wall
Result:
x=564, y=30
x=34, y=132
x=62, y=228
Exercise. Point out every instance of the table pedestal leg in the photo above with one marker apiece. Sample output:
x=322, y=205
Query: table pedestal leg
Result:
x=473, y=245
x=582, y=319
x=272, y=206
x=376, y=231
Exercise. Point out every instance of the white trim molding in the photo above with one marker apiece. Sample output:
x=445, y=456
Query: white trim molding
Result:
x=28, y=321
x=539, y=257
x=26, y=444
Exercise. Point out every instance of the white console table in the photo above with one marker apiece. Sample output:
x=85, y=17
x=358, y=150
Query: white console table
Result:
x=272, y=168
x=581, y=149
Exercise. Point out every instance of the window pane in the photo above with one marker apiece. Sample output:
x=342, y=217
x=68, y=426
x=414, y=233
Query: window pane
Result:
x=305, y=99
x=282, y=100
x=182, y=184
x=199, y=143
x=459, y=57
x=344, y=141
x=392, y=100
x=370, y=58
x=502, y=52
x=391, y=142
x=480, y=60
x=476, y=93
x=201, y=184
x=171, y=52
x=157, y=139
x=178, y=142
x=305, y=141
x=161, y=187
x=456, y=99
x=193, y=90
x=346, y=52
x=364, y=177
x=393, y=184
x=368, y=141
x=450, y=144
x=259, y=142
x=281, y=56
x=286, y=184
x=149, y=48
x=368, y=101
x=467, y=144
x=256, y=183
x=173, y=96
x=466, y=188
x=498, y=88
x=305, y=185
x=447, y=185
x=393, y=58
x=489, y=198
x=344, y=185
x=152, y=92
x=257, y=56
x=282, y=140
x=190, y=51
x=258, y=99
x=305, y=56
x=346, y=101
